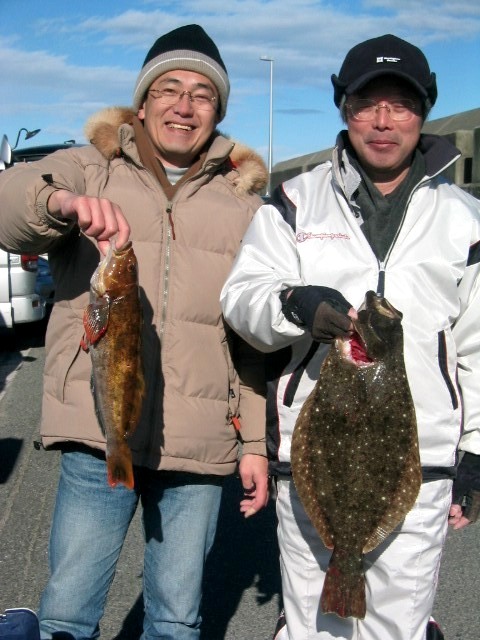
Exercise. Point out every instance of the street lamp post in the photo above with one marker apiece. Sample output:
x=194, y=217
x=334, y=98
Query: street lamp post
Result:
x=28, y=134
x=270, y=134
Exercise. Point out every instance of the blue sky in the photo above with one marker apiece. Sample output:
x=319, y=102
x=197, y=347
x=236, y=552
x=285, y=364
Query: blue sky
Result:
x=60, y=61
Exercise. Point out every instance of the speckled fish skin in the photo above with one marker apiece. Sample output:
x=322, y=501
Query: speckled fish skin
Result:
x=113, y=325
x=355, y=459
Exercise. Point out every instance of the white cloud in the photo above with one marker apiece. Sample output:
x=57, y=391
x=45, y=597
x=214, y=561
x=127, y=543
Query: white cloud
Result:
x=62, y=65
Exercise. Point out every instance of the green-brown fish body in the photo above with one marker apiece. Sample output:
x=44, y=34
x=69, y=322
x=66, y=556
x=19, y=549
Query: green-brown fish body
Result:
x=113, y=325
x=355, y=459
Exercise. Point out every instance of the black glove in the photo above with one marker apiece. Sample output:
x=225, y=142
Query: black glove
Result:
x=466, y=486
x=321, y=309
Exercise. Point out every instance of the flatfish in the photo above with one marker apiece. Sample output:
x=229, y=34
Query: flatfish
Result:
x=355, y=459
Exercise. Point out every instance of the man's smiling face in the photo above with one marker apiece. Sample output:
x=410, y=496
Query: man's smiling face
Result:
x=178, y=132
x=384, y=146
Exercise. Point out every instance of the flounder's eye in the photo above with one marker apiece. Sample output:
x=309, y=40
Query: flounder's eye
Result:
x=131, y=267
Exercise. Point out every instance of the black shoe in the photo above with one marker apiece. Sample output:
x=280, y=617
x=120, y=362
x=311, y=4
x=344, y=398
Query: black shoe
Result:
x=433, y=631
x=281, y=624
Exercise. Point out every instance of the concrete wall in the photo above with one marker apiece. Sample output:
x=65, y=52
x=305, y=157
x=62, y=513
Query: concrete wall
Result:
x=466, y=171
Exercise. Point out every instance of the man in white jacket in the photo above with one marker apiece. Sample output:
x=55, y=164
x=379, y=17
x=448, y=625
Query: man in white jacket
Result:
x=379, y=216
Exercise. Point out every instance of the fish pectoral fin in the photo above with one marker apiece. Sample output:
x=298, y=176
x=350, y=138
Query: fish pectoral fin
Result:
x=95, y=321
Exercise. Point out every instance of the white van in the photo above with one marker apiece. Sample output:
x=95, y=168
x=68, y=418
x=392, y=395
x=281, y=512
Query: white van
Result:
x=18, y=273
x=18, y=301
x=18, y=276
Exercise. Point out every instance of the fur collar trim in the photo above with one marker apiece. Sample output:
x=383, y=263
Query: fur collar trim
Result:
x=102, y=131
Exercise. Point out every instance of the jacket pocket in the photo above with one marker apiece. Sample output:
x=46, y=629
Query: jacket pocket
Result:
x=65, y=366
x=233, y=392
x=67, y=363
x=443, y=365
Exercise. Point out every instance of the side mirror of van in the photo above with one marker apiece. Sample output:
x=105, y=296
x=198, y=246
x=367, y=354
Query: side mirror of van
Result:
x=5, y=153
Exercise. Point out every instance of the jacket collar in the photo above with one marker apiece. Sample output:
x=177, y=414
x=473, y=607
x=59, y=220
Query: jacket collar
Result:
x=111, y=132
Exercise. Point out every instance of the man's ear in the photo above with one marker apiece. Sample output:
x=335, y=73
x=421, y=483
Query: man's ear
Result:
x=141, y=112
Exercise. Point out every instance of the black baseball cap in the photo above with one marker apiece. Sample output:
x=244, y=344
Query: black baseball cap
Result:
x=385, y=55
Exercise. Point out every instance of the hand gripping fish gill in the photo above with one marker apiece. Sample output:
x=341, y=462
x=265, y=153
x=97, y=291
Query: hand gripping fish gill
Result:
x=355, y=459
x=113, y=324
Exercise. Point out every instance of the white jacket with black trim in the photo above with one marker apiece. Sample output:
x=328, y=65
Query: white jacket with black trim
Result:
x=309, y=234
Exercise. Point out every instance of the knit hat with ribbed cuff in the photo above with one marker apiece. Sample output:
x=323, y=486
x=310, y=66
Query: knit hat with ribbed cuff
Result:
x=188, y=48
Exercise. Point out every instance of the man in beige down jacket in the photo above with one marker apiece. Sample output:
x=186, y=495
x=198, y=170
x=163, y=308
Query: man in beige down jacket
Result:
x=161, y=176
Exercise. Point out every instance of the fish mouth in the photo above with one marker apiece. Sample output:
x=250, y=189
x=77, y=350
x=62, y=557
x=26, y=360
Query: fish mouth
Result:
x=354, y=350
x=97, y=282
x=122, y=250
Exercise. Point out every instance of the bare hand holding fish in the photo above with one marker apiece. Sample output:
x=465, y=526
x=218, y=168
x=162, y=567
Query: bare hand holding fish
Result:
x=113, y=324
x=98, y=218
x=355, y=459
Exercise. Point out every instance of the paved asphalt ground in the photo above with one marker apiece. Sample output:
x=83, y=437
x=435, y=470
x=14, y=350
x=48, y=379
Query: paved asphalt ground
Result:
x=242, y=590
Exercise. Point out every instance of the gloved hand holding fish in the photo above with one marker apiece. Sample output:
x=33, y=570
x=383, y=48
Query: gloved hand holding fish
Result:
x=355, y=458
x=321, y=309
x=113, y=325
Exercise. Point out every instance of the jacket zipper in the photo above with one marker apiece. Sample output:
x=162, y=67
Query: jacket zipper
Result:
x=166, y=275
x=156, y=406
x=383, y=264
x=171, y=236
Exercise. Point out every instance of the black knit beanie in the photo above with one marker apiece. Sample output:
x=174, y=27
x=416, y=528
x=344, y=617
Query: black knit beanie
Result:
x=188, y=48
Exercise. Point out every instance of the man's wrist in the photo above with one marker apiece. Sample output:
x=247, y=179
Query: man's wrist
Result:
x=472, y=505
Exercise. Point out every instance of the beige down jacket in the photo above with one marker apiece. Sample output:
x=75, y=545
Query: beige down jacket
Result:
x=199, y=374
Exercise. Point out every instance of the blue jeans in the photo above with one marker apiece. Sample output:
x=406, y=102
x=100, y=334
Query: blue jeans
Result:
x=90, y=522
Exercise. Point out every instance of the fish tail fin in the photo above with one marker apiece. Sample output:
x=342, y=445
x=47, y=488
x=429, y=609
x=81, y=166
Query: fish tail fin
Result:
x=119, y=467
x=344, y=587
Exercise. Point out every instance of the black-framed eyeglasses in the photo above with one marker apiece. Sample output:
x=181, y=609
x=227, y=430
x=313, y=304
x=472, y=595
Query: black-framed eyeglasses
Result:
x=199, y=99
x=365, y=109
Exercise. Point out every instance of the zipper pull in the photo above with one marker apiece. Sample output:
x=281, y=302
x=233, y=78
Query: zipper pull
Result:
x=381, y=281
x=170, y=219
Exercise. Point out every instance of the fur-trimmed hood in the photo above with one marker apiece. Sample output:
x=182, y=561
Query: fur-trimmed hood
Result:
x=102, y=130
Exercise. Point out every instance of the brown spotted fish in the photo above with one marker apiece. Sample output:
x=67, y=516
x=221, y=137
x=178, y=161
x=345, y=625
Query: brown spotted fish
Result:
x=113, y=324
x=355, y=459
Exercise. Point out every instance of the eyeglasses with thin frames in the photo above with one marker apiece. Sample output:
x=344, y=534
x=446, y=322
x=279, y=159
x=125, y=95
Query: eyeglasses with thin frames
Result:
x=170, y=96
x=365, y=110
